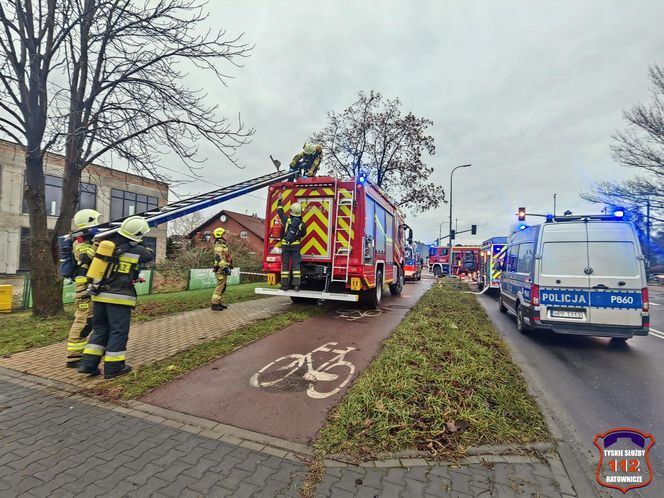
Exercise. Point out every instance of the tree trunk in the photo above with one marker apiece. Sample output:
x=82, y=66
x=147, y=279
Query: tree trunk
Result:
x=45, y=281
x=70, y=187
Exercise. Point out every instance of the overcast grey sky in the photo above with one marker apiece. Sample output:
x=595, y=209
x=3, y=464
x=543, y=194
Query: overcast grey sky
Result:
x=529, y=92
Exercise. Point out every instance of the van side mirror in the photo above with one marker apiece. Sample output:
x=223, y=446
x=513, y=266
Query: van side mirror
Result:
x=410, y=235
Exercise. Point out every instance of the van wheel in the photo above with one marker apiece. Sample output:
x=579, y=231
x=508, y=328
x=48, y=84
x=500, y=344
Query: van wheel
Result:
x=501, y=307
x=520, y=323
x=373, y=297
x=396, y=288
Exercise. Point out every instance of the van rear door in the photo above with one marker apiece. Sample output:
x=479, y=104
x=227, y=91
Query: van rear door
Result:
x=616, y=280
x=564, y=283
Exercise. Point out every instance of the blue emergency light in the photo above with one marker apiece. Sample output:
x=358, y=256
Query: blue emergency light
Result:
x=362, y=177
x=619, y=213
x=522, y=227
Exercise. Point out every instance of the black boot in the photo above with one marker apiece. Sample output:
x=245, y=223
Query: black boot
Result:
x=89, y=364
x=218, y=307
x=73, y=364
x=116, y=372
x=284, y=288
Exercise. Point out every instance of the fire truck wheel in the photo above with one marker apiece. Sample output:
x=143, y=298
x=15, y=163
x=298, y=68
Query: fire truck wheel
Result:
x=437, y=271
x=372, y=297
x=396, y=288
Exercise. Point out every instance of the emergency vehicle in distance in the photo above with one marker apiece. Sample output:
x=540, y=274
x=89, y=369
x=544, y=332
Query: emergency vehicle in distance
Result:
x=354, y=243
x=465, y=259
x=492, y=254
x=413, y=262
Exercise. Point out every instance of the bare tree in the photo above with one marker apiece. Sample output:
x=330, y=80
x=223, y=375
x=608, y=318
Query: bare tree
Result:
x=185, y=225
x=641, y=145
x=31, y=37
x=121, y=92
x=127, y=95
x=373, y=136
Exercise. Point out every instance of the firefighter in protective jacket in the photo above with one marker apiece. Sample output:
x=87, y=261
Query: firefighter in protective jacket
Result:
x=308, y=161
x=223, y=262
x=292, y=234
x=83, y=252
x=114, y=299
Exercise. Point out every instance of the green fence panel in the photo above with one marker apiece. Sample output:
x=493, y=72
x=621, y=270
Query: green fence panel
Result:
x=144, y=288
x=204, y=278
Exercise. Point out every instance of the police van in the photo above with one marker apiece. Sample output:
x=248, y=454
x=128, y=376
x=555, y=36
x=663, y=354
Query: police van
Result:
x=580, y=275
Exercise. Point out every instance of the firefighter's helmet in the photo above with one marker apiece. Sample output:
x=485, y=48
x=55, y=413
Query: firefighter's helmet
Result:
x=86, y=218
x=219, y=232
x=134, y=228
x=312, y=149
x=296, y=209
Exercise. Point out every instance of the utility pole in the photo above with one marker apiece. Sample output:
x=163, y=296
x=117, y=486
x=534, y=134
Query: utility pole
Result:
x=648, y=230
x=554, y=204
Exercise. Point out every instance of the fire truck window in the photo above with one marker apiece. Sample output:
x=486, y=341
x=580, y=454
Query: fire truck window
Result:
x=370, y=205
x=380, y=229
x=389, y=226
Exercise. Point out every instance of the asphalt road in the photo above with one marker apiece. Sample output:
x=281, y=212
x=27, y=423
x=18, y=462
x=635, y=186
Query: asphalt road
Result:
x=591, y=385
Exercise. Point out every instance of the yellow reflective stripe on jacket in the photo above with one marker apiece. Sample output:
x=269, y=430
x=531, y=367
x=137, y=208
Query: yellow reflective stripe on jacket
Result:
x=129, y=257
x=111, y=298
x=94, y=349
x=80, y=280
x=116, y=356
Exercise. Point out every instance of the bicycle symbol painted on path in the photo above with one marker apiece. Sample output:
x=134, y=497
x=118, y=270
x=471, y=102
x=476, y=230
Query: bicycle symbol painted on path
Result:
x=351, y=315
x=280, y=375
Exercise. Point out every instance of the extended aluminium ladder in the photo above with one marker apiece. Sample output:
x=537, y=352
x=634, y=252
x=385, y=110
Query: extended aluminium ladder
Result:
x=341, y=245
x=184, y=207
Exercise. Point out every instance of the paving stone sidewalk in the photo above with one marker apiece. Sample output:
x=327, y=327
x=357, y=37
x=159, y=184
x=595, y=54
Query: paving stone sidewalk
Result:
x=150, y=341
x=54, y=446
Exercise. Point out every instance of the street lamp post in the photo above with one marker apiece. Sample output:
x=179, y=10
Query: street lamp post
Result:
x=451, y=175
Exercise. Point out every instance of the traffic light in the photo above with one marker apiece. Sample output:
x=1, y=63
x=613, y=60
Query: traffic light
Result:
x=522, y=214
x=452, y=234
x=473, y=229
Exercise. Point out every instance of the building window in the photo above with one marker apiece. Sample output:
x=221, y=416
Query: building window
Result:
x=125, y=203
x=24, y=249
x=244, y=234
x=151, y=243
x=87, y=195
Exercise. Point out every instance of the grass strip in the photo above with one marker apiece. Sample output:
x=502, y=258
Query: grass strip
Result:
x=156, y=374
x=444, y=381
x=21, y=331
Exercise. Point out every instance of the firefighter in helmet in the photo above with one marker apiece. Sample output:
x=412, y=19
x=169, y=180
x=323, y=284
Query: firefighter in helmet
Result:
x=83, y=251
x=114, y=299
x=308, y=161
x=223, y=262
x=293, y=232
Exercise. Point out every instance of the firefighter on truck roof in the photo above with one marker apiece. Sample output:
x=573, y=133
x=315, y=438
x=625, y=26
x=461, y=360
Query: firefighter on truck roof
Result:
x=83, y=251
x=223, y=262
x=308, y=161
x=113, y=272
x=292, y=233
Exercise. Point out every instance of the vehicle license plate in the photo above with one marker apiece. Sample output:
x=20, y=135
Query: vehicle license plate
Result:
x=567, y=314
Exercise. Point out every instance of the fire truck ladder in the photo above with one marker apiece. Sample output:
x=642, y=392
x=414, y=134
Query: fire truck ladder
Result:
x=341, y=245
x=184, y=207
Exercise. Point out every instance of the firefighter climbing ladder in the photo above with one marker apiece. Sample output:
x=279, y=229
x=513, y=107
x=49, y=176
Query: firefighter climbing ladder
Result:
x=184, y=207
x=342, y=233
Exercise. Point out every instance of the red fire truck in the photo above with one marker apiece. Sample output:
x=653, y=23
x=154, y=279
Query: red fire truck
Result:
x=465, y=259
x=354, y=243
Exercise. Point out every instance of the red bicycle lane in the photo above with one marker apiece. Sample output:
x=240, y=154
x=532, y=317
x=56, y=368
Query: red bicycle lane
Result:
x=284, y=385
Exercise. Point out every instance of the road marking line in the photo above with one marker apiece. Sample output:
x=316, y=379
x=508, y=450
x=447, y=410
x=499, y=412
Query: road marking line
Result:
x=657, y=333
x=655, y=304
